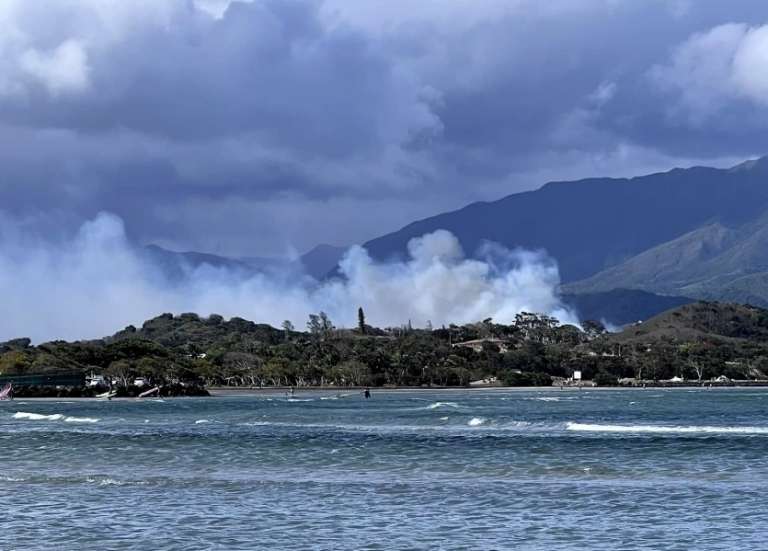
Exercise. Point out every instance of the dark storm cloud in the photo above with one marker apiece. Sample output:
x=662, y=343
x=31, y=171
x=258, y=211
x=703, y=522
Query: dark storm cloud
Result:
x=266, y=69
x=255, y=127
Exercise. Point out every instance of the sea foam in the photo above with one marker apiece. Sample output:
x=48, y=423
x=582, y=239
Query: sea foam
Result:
x=53, y=417
x=37, y=416
x=662, y=429
x=436, y=405
x=81, y=420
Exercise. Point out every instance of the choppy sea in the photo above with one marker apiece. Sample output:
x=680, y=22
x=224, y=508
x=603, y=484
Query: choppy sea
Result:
x=543, y=469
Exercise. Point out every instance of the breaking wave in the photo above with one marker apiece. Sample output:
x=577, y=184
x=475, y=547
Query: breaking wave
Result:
x=37, y=416
x=81, y=420
x=436, y=405
x=105, y=481
x=662, y=429
x=53, y=417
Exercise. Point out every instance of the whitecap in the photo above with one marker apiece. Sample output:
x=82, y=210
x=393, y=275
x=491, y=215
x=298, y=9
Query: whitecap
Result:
x=301, y=400
x=436, y=405
x=103, y=481
x=665, y=429
x=110, y=482
x=81, y=420
x=37, y=416
x=11, y=479
x=53, y=417
x=107, y=481
x=548, y=399
x=476, y=421
x=201, y=421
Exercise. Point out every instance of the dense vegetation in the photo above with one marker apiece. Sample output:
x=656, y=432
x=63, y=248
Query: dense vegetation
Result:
x=696, y=342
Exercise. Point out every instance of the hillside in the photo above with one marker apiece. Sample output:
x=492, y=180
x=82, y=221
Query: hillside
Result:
x=176, y=265
x=686, y=234
x=711, y=263
x=322, y=259
x=702, y=320
x=594, y=224
x=181, y=353
x=201, y=333
x=621, y=306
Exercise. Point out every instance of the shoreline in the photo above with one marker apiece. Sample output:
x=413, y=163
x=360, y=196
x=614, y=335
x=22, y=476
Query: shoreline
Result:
x=223, y=392
x=241, y=391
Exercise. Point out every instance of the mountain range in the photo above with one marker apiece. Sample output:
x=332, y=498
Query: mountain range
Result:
x=713, y=262
x=627, y=248
x=685, y=234
x=316, y=262
x=594, y=224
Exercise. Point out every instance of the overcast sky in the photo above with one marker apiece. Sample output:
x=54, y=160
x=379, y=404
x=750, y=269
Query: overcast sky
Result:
x=265, y=127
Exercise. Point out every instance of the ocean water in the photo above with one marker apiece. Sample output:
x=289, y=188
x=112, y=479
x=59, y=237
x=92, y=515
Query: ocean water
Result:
x=545, y=469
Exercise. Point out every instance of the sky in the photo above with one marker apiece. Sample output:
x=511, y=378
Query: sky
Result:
x=265, y=127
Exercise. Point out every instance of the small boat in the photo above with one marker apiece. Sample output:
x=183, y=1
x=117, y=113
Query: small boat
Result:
x=150, y=392
x=7, y=392
x=107, y=395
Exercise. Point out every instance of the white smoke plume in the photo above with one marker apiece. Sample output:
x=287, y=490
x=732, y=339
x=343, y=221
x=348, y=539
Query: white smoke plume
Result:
x=96, y=283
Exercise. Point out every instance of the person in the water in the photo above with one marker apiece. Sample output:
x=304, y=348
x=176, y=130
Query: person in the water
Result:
x=367, y=393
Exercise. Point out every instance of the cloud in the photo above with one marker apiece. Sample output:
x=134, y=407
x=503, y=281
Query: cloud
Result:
x=64, y=69
x=750, y=65
x=717, y=70
x=701, y=70
x=281, y=115
x=214, y=8
x=95, y=283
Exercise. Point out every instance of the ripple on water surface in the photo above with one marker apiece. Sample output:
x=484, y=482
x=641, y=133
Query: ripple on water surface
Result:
x=555, y=470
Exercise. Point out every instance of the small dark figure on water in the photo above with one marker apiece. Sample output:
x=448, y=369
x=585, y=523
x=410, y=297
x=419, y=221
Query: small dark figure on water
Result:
x=367, y=393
